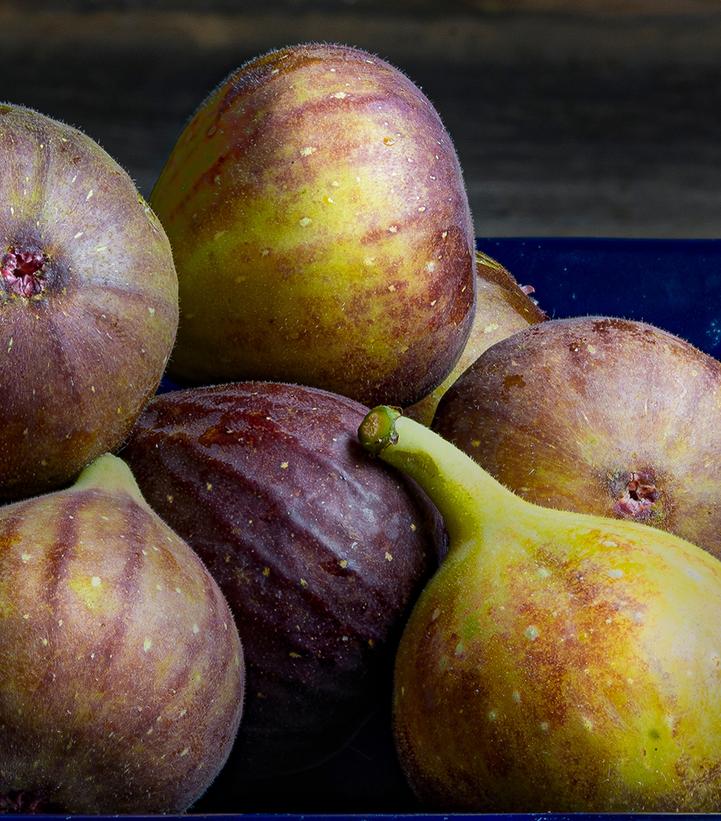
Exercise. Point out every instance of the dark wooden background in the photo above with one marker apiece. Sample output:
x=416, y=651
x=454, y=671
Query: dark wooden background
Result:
x=570, y=118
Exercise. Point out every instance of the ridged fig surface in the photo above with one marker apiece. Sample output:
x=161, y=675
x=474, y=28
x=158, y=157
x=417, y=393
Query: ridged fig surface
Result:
x=598, y=415
x=88, y=302
x=319, y=550
x=121, y=680
x=321, y=229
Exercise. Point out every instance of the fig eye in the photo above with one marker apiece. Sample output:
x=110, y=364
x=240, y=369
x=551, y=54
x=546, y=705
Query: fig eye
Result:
x=23, y=271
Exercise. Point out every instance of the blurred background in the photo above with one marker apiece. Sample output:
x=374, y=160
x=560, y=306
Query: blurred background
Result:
x=571, y=117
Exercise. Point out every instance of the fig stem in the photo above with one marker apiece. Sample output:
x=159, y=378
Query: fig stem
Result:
x=378, y=429
x=467, y=497
x=110, y=473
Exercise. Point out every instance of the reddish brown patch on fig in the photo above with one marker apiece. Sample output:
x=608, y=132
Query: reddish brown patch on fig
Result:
x=23, y=271
x=608, y=324
x=253, y=75
x=514, y=380
x=61, y=553
x=570, y=641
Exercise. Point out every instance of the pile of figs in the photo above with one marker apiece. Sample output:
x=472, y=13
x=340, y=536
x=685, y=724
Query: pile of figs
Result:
x=515, y=577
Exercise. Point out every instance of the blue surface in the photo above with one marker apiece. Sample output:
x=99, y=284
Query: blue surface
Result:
x=675, y=284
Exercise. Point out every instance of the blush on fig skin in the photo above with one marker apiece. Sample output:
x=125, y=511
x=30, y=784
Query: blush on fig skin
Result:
x=319, y=549
x=556, y=662
x=121, y=684
x=88, y=302
x=598, y=415
x=321, y=230
x=503, y=307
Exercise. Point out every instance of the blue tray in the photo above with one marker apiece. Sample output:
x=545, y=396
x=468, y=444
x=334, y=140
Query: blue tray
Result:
x=675, y=284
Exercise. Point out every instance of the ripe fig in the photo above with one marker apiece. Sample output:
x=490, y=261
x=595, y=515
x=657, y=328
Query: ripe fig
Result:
x=122, y=672
x=318, y=549
x=557, y=661
x=88, y=302
x=598, y=415
x=321, y=229
x=503, y=307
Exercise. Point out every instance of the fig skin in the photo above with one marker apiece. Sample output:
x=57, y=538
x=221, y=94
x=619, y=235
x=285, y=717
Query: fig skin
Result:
x=503, y=307
x=121, y=685
x=321, y=230
x=319, y=549
x=556, y=662
x=85, y=338
x=598, y=415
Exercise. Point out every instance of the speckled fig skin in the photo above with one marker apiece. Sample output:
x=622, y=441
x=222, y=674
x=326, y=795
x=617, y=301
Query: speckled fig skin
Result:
x=556, y=661
x=503, y=307
x=321, y=230
x=121, y=682
x=85, y=339
x=598, y=415
x=319, y=550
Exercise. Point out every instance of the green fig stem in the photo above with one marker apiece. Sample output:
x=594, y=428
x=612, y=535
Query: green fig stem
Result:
x=109, y=473
x=466, y=496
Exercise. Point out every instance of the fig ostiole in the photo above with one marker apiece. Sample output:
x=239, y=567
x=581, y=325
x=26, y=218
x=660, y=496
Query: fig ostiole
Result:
x=121, y=683
x=319, y=549
x=557, y=661
x=88, y=302
x=598, y=415
x=321, y=229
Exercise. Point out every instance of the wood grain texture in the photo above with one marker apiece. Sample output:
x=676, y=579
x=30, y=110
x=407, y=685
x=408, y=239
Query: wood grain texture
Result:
x=570, y=118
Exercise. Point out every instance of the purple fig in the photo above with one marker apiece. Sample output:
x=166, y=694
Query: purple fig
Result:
x=598, y=415
x=319, y=549
x=88, y=302
x=121, y=681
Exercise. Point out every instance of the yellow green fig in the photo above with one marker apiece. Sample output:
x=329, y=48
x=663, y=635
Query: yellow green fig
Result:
x=320, y=228
x=556, y=661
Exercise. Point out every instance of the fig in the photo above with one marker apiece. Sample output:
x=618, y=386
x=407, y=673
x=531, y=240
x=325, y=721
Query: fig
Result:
x=122, y=672
x=321, y=230
x=88, y=302
x=503, y=307
x=556, y=661
x=318, y=549
x=598, y=415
